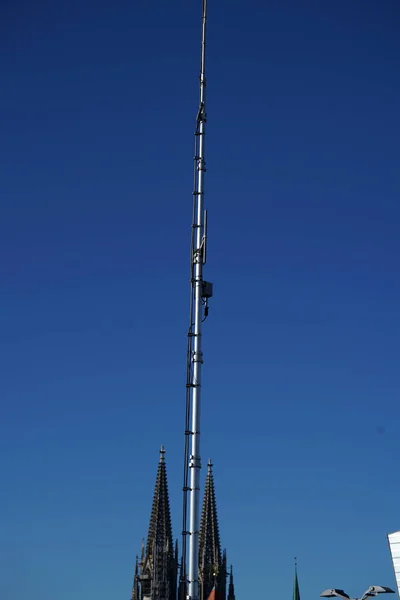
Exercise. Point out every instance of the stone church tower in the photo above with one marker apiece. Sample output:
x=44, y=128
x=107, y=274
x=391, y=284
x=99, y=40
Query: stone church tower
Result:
x=156, y=573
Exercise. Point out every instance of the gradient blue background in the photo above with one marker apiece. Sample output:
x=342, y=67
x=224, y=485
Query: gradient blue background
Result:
x=301, y=387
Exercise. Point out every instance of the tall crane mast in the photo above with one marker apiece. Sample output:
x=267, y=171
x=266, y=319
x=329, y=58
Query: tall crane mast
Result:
x=200, y=292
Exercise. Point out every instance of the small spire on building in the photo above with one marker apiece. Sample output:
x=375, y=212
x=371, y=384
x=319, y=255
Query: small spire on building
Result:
x=135, y=586
x=142, y=551
x=231, y=590
x=296, y=589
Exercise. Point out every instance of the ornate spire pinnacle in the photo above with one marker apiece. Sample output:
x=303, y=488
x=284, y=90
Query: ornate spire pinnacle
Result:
x=135, y=587
x=231, y=592
x=296, y=589
x=162, y=454
x=158, y=565
x=209, y=540
x=142, y=551
x=212, y=564
x=160, y=529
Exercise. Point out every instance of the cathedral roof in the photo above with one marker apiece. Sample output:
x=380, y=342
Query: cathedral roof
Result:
x=215, y=595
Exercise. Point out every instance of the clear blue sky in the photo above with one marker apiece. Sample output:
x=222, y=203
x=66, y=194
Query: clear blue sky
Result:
x=301, y=396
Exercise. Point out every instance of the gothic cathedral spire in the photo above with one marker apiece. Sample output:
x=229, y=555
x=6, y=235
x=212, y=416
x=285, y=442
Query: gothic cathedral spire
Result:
x=156, y=571
x=212, y=562
x=157, y=578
